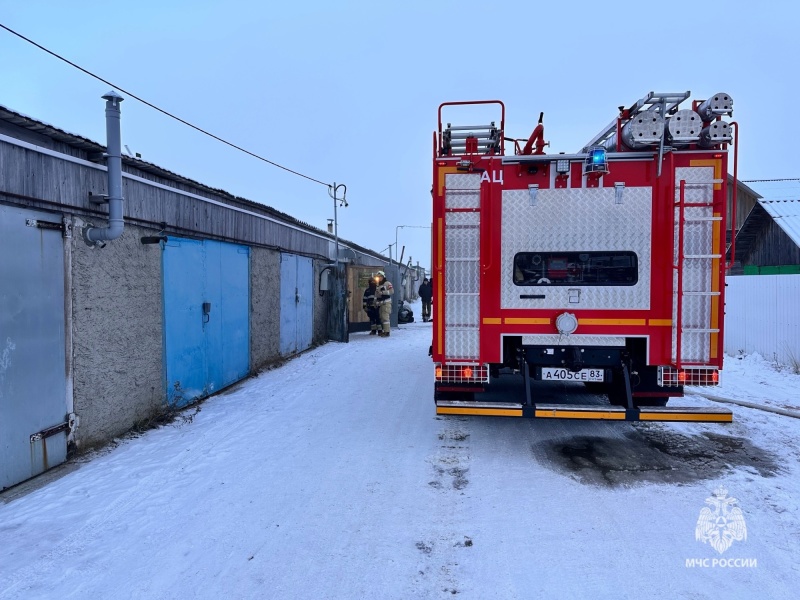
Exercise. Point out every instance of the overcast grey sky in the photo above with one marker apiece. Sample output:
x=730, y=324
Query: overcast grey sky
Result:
x=348, y=92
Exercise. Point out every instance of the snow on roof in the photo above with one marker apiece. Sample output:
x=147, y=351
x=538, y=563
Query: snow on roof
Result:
x=786, y=214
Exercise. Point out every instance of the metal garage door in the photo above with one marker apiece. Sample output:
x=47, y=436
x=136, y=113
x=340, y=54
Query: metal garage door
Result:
x=297, y=303
x=33, y=397
x=206, y=317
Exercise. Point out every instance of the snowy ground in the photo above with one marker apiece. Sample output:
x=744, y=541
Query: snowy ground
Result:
x=754, y=379
x=332, y=477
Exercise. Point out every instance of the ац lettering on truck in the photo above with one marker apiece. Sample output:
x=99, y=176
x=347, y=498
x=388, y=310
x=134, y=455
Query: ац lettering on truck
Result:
x=604, y=267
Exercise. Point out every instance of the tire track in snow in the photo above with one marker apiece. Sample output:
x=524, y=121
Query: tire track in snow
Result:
x=438, y=575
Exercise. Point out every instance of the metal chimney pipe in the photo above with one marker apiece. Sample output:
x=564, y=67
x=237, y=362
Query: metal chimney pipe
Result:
x=93, y=235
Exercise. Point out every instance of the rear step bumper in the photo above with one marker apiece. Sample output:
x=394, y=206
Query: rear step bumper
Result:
x=566, y=411
x=489, y=409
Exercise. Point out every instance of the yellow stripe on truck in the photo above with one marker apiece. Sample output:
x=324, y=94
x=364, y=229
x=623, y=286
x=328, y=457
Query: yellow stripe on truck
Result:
x=687, y=416
x=659, y=322
x=487, y=412
x=555, y=413
x=611, y=321
x=716, y=163
x=520, y=321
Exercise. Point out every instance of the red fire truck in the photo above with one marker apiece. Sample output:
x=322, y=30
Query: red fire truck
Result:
x=605, y=267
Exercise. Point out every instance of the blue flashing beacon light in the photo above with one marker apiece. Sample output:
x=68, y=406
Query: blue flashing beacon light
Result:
x=596, y=161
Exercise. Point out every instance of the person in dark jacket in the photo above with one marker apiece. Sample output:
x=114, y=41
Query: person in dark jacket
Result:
x=426, y=295
x=370, y=307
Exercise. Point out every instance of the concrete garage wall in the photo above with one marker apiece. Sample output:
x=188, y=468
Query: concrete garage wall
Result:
x=117, y=335
x=265, y=307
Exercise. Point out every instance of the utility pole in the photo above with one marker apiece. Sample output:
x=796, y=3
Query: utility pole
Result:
x=339, y=305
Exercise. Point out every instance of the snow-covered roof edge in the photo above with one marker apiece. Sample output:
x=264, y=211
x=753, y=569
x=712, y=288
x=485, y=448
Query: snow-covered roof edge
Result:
x=786, y=213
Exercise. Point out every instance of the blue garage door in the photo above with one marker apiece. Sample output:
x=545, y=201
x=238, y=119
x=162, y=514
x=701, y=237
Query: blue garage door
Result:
x=297, y=303
x=206, y=317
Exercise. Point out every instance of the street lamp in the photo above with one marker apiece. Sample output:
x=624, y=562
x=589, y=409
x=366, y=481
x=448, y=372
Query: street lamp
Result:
x=338, y=314
x=332, y=189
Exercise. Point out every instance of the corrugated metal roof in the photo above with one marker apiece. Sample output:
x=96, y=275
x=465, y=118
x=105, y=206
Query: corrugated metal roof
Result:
x=96, y=155
x=786, y=214
x=96, y=149
x=742, y=186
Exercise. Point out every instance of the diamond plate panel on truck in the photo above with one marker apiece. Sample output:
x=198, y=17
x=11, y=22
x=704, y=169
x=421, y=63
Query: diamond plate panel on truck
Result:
x=462, y=199
x=463, y=181
x=572, y=340
x=571, y=220
x=462, y=190
x=461, y=344
x=462, y=310
x=462, y=275
x=697, y=240
x=462, y=268
x=462, y=236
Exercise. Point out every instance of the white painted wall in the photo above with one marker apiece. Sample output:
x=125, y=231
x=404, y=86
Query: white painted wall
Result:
x=762, y=314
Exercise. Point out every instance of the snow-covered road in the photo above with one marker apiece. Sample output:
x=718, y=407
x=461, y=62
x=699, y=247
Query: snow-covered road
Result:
x=331, y=477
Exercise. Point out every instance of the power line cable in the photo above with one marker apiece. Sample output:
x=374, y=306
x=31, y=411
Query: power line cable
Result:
x=153, y=106
x=769, y=180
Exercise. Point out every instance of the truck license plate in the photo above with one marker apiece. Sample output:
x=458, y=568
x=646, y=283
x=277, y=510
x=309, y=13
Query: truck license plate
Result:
x=549, y=374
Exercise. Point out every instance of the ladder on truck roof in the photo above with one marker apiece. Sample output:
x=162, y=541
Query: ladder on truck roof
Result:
x=471, y=139
x=663, y=103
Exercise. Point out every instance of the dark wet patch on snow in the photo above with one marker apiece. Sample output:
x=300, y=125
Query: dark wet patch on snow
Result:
x=459, y=481
x=449, y=463
x=424, y=548
x=456, y=436
x=654, y=455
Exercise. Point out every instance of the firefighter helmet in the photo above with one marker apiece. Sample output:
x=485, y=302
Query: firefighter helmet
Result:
x=381, y=274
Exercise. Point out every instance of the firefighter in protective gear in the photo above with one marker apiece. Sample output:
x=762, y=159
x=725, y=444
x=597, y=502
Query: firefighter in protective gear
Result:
x=370, y=307
x=383, y=299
